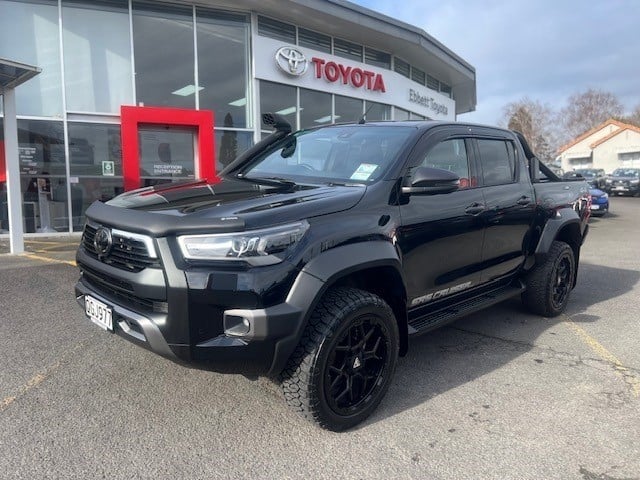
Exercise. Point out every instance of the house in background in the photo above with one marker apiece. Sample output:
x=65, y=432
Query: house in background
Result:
x=610, y=145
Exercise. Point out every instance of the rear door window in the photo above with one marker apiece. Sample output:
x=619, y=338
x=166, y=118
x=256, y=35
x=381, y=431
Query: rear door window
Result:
x=498, y=160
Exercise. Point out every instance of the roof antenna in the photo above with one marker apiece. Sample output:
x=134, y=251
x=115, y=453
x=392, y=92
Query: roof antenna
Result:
x=362, y=119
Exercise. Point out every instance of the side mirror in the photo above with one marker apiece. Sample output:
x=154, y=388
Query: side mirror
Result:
x=431, y=181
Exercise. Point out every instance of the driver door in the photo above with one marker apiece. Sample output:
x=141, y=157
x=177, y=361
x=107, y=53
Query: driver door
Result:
x=441, y=235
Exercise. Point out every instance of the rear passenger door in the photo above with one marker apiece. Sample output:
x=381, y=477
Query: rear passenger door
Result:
x=509, y=205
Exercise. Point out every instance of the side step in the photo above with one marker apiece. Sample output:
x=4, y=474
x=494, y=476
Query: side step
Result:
x=453, y=312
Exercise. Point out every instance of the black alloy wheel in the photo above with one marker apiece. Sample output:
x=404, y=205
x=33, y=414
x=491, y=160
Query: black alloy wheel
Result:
x=549, y=284
x=343, y=365
x=563, y=282
x=357, y=365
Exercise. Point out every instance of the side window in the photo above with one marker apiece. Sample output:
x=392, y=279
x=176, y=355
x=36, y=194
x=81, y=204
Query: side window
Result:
x=498, y=160
x=450, y=155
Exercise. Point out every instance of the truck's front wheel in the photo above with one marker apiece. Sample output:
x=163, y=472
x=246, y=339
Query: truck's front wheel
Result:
x=343, y=365
x=549, y=284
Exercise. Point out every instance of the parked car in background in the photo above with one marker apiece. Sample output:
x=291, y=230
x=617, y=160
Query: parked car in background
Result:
x=599, y=202
x=594, y=176
x=624, y=181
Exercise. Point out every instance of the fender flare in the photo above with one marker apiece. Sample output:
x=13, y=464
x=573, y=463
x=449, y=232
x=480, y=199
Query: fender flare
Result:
x=317, y=276
x=564, y=217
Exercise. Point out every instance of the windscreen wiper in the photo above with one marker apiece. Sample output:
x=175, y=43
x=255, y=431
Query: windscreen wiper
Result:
x=269, y=181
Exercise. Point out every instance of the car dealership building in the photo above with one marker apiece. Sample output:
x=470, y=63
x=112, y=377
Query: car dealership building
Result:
x=135, y=93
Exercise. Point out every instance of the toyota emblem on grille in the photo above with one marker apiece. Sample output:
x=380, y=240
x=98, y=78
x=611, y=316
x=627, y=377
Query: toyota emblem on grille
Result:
x=102, y=241
x=292, y=61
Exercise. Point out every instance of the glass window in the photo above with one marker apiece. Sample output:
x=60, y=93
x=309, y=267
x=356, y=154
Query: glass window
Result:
x=346, y=49
x=230, y=144
x=223, y=66
x=401, y=67
x=377, y=58
x=347, y=109
x=95, y=150
x=269, y=27
x=277, y=98
x=400, y=114
x=418, y=75
x=377, y=111
x=89, y=189
x=360, y=155
x=95, y=158
x=29, y=34
x=450, y=155
x=445, y=89
x=315, y=108
x=433, y=83
x=166, y=154
x=163, y=46
x=315, y=40
x=97, y=52
x=42, y=177
x=497, y=158
x=415, y=116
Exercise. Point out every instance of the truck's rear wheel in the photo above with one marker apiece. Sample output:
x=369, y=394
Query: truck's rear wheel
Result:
x=343, y=366
x=550, y=283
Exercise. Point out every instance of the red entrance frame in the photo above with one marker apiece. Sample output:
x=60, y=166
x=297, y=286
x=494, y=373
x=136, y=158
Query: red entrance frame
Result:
x=131, y=119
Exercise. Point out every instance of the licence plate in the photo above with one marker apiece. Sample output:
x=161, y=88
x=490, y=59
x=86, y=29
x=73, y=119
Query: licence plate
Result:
x=98, y=313
x=595, y=207
x=619, y=188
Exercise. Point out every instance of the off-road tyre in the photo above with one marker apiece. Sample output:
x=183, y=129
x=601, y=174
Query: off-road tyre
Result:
x=343, y=365
x=549, y=284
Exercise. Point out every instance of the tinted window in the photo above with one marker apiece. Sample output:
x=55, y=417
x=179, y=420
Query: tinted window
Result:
x=359, y=154
x=498, y=161
x=450, y=155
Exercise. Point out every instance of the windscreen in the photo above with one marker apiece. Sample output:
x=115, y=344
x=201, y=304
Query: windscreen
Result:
x=349, y=154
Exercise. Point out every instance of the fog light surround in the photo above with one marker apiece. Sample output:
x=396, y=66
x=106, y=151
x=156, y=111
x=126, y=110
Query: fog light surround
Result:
x=236, y=326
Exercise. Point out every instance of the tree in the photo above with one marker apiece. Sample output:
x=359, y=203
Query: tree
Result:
x=634, y=118
x=588, y=109
x=535, y=121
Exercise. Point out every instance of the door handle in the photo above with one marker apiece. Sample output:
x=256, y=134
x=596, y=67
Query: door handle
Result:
x=475, y=209
x=524, y=200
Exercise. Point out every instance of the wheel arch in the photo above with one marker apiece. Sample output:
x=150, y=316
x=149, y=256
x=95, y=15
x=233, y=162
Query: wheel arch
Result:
x=371, y=266
x=564, y=228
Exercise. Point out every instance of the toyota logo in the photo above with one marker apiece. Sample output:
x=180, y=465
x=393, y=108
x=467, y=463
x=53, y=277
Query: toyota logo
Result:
x=102, y=241
x=292, y=61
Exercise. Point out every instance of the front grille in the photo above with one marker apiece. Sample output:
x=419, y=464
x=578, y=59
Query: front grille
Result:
x=127, y=253
x=115, y=288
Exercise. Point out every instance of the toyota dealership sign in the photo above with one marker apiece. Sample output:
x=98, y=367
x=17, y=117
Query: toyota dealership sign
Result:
x=307, y=68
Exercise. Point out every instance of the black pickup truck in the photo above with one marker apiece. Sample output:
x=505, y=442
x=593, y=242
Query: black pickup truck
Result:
x=319, y=253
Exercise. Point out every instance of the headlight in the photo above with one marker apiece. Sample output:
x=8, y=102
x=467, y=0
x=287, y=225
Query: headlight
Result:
x=605, y=195
x=257, y=247
x=637, y=180
x=608, y=180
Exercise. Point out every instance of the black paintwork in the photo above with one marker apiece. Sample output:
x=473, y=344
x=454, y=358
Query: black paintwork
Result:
x=401, y=246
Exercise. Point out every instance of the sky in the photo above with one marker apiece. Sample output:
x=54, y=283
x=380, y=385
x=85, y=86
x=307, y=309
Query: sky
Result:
x=545, y=50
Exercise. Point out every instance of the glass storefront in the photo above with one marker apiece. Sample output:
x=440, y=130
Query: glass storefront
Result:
x=98, y=55
x=29, y=34
x=164, y=55
x=97, y=62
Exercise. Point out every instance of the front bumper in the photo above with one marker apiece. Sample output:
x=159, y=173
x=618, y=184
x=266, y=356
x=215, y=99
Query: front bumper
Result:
x=183, y=318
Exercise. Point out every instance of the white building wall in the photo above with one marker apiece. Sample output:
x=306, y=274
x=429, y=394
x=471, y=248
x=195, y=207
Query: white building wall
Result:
x=582, y=149
x=606, y=155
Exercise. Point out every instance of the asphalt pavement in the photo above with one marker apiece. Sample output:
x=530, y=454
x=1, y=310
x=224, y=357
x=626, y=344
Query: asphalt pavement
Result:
x=502, y=394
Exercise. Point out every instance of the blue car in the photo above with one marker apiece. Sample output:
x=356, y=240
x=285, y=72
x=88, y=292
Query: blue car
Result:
x=599, y=202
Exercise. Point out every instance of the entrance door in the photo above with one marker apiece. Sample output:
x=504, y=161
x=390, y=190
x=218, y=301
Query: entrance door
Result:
x=162, y=145
x=167, y=154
